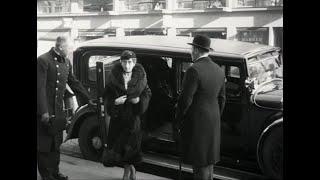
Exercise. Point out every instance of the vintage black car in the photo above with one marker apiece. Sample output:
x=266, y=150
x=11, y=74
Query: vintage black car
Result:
x=252, y=122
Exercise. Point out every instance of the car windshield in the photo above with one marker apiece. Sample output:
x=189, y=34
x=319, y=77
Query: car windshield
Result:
x=264, y=68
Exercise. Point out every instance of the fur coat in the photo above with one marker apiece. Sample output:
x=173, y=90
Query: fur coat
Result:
x=125, y=135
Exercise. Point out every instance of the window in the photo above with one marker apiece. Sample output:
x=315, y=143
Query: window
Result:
x=160, y=75
x=151, y=31
x=70, y=6
x=53, y=6
x=200, y=4
x=89, y=34
x=142, y=5
x=254, y=35
x=97, y=5
x=109, y=61
x=233, y=82
x=234, y=72
x=220, y=33
x=278, y=36
x=259, y=3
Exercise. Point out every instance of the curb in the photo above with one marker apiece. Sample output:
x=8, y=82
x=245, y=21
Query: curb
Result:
x=71, y=148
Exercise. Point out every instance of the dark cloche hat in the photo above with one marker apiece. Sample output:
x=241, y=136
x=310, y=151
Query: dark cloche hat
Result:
x=127, y=55
x=202, y=41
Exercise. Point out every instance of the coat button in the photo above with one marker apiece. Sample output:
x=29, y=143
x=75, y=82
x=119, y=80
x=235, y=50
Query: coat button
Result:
x=58, y=74
x=56, y=89
x=57, y=66
x=57, y=81
x=55, y=58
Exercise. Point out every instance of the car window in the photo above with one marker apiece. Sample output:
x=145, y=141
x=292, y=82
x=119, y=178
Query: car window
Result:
x=234, y=72
x=264, y=68
x=168, y=60
x=108, y=60
x=232, y=81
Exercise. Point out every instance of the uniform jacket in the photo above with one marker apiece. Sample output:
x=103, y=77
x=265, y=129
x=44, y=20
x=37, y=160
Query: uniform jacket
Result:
x=199, y=108
x=53, y=73
x=125, y=128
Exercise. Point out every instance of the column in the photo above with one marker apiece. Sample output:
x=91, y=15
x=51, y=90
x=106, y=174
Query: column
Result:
x=230, y=3
x=120, y=32
x=231, y=33
x=271, y=36
x=171, y=4
x=75, y=8
x=172, y=32
x=74, y=33
x=69, y=23
x=116, y=5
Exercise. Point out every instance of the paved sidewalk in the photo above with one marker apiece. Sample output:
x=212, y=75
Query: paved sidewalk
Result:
x=79, y=169
x=71, y=147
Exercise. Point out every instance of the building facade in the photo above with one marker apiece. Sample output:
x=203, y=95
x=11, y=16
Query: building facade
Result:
x=256, y=21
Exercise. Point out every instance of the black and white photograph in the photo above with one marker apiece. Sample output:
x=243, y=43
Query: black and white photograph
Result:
x=159, y=89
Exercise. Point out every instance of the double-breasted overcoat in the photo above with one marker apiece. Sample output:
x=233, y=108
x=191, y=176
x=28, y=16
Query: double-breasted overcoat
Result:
x=53, y=73
x=199, y=109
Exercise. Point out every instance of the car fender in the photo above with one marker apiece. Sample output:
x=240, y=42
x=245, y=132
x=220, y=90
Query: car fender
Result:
x=76, y=121
x=265, y=132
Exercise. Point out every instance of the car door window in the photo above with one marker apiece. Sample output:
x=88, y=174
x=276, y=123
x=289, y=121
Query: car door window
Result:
x=109, y=61
x=233, y=88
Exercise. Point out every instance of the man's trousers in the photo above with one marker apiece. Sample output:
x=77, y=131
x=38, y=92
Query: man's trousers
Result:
x=48, y=162
x=203, y=173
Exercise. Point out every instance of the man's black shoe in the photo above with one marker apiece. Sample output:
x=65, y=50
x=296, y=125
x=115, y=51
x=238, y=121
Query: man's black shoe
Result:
x=60, y=176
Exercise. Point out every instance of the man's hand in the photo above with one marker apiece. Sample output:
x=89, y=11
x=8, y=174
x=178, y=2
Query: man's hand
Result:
x=91, y=103
x=45, y=118
x=135, y=100
x=120, y=100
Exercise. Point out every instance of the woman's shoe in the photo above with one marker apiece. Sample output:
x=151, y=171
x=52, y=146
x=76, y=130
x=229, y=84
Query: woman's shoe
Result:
x=126, y=173
x=132, y=172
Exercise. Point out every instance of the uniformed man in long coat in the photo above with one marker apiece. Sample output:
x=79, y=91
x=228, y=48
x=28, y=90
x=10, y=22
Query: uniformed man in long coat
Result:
x=54, y=71
x=200, y=106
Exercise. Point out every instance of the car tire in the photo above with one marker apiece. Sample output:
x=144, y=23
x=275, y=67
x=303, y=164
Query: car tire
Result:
x=271, y=153
x=89, y=130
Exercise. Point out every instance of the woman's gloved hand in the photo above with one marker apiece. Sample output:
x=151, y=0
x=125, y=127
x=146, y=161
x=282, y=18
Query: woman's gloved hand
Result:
x=120, y=100
x=134, y=100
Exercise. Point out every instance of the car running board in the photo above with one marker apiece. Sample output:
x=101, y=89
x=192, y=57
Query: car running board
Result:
x=222, y=173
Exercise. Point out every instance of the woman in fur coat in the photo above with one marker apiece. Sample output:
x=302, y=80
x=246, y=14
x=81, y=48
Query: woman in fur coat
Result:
x=127, y=97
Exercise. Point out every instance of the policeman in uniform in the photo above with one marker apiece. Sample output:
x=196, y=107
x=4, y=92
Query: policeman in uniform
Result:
x=54, y=72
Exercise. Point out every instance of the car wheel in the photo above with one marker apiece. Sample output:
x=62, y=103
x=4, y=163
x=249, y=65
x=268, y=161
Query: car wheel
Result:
x=90, y=141
x=271, y=153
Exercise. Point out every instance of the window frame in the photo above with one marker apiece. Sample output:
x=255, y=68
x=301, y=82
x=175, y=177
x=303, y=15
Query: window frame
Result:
x=277, y=4
x=86, y=56
x=242, y=73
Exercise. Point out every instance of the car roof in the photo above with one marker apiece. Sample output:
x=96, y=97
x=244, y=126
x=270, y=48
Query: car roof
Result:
x=229, y=48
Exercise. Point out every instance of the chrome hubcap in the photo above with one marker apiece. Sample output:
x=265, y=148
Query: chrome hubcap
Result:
x=96, y=142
